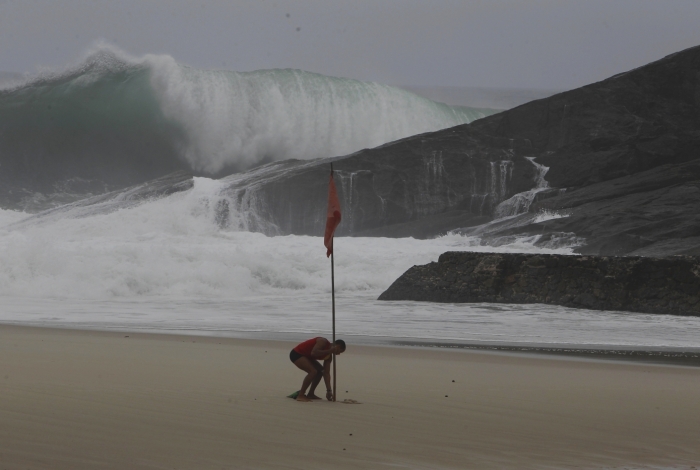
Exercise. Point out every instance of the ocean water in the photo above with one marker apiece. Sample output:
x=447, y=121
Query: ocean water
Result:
x=165, y=265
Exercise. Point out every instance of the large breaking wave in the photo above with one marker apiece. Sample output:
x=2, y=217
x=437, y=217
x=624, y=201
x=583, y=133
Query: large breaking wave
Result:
x=152, y=109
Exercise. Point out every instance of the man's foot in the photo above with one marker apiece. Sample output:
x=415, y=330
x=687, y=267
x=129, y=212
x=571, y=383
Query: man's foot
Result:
x=312, y=396
x=302, y=397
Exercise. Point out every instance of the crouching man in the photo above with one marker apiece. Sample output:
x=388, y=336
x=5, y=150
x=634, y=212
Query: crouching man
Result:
x=306, y=356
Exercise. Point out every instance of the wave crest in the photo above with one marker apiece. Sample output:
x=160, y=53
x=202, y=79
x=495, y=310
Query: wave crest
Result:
x=238, y=120
x=115, y=120
x=244, y=119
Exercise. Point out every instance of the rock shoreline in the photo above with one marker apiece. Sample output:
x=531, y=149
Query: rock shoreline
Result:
x=637, y=284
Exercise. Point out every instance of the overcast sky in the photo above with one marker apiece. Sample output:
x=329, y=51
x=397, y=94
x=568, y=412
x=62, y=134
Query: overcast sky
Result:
x=551, y=44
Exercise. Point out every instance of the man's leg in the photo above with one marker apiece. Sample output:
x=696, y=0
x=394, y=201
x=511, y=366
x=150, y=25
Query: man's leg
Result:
x=314, y=383
x=305, y=364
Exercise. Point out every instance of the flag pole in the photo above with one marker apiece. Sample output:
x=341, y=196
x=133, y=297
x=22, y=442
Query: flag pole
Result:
x=333, y=295
x=333, y=300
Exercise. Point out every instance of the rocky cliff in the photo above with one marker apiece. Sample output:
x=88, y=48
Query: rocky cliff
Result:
x=638, y=284
x=420, y=187
x=613, y=167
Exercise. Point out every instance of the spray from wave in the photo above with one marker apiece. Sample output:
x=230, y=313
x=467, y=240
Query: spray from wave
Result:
x=174, y=248
x=166, y=265
x=242, y=119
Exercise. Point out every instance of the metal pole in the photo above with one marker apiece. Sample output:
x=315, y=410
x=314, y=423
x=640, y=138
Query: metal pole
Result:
x=335, y=358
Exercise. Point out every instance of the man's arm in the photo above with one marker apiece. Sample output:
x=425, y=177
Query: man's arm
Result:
x=321, y=349
x=327, y=378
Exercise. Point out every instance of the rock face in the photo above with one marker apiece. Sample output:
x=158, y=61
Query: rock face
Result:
x=625, y=154
x=421, y=186
x=638, y=284
x=613, y=167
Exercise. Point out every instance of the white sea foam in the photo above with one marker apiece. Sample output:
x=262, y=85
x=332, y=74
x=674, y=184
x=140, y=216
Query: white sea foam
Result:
x=546, y=215
x=9, y=216
x=173, y=247
x=360, y=317
x=165, y=265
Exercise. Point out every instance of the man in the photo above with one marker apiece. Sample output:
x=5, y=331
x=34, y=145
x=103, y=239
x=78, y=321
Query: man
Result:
x=305, y=356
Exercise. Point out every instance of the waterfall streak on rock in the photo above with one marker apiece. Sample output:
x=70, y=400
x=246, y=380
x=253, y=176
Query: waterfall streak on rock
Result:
x=521, y=202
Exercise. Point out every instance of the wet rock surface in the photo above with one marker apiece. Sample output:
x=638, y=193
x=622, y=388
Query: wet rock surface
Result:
x=638, y=284
x=420, y=186
x=614, y=167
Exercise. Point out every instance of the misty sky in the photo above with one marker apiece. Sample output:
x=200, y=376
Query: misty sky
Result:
x=496, y=43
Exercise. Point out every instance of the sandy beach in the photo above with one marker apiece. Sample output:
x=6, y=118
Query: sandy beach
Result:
x=101, y=400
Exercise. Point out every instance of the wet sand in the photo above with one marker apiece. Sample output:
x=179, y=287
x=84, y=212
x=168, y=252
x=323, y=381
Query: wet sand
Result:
x=100, y=400
x=652, y=355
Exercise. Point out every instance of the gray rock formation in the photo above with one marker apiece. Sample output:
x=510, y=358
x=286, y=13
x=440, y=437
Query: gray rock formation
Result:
x=420, y=187
x=638, y=284
x=613, y=167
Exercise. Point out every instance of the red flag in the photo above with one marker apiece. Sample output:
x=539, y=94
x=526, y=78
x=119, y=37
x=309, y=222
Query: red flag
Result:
x=332, y=217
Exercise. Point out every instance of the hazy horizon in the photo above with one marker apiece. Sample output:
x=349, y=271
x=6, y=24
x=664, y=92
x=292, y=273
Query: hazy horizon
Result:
x=500, y=44
x=478, y=97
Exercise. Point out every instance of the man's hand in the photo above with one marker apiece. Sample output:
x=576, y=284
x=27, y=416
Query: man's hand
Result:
x=329, y=395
